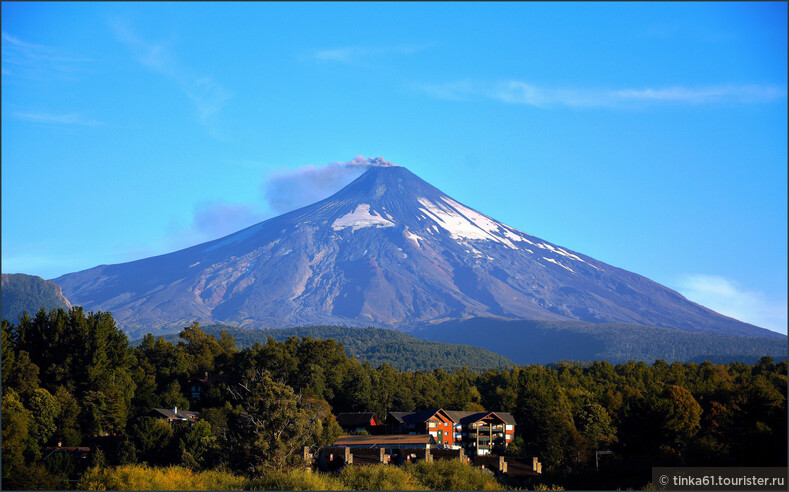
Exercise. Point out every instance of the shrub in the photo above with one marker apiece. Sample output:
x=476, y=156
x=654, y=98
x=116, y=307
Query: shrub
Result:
x=452, y=475
x=542, y=486
x=141, y=477
x=297, y=479
x=378, y=477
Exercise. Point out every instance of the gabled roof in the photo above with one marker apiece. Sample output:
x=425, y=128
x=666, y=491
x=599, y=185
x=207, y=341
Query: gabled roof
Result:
x=468, y=417
x=355, y=419
x=417, y=417
x=181, y=415
x=385, y=440
x=73, y=450
x=506, y=417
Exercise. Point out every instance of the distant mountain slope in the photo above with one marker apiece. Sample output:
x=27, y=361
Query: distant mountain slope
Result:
x=29, y=293
x=376, y=345
x=387, y=250
x=542, y=342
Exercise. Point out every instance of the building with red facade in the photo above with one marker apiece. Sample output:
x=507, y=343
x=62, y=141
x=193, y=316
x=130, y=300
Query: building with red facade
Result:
x=478, y=433
x=434, y=422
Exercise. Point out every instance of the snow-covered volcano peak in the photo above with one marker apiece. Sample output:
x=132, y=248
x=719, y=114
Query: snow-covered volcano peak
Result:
x=389, y=249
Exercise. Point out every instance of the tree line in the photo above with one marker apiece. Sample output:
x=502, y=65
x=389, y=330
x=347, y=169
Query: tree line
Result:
x=72, y=378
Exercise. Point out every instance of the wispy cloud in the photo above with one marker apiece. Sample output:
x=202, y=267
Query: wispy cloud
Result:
x=280, y=192
x=355, y=54
x=56, y=119
x=31, y=61
x=207, y=95
x=727, y=297
x=526, y=94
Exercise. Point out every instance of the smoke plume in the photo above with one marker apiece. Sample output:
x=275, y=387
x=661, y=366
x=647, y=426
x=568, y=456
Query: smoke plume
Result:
x=289, y=190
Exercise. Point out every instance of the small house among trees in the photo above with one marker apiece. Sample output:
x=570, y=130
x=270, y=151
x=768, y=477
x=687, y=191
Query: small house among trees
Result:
x=175, y=415
x=357, y=422
x=199, y=386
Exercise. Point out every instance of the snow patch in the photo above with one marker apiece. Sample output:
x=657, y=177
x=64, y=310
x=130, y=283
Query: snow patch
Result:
x=413, y=237
x=361, y=218
x=557, y=263
x=509, y=233
x=462, y=222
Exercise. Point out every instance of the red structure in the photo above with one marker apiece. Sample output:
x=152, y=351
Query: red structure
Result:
x=435, y=422
x=479, y=433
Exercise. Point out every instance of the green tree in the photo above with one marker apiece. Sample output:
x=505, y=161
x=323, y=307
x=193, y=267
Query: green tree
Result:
x=67, y=423
x=681, y=414
x=152, y=437
x=15, y=434
x=594, y=423
x=204, y=353
x=199, y=446
x=44, y=411
x=274, y=426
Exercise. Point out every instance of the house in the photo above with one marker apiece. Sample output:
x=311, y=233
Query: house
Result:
x=175, y=415
x=355, y=422
x=435, y=422
x=387, y=442
x=199, y=386
x=481, y=433
x=79, y=452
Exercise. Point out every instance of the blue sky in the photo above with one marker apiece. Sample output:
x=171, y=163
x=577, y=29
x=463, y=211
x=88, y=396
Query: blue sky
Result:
x=651, y=136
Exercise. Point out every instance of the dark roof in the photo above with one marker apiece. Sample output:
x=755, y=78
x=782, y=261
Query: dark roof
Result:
x=355, y=419
x=465, y=416
x=65, y=449
x=385, y=440
x=182, y=414
x=506, y=417
x=417, y=417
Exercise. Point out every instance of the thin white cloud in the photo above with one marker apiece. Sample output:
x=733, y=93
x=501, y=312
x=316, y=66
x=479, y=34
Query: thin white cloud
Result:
x=207, y=95
x=727, y=297
x=31, y=61
x=526, y=94
x=57, y=119
x=354, y=54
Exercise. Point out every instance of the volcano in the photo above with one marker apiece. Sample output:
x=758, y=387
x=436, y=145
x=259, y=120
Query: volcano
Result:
x=387, y=250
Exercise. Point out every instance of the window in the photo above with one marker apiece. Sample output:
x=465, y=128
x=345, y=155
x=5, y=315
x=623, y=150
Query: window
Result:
x=509, y=427
x=431, y=424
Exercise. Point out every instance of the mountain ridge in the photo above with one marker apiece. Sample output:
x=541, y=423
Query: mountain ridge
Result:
x=387, y=250
x=22, y=292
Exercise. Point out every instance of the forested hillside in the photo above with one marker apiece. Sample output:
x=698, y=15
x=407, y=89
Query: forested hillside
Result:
x=29, y=293
x=542, y=342
x=73, y=378
x=376, y=346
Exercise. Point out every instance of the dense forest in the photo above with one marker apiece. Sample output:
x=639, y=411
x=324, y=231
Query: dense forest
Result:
x=72, y=378
x=374, y=345
x=543, y=342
